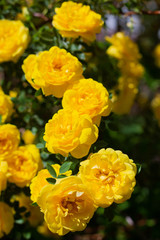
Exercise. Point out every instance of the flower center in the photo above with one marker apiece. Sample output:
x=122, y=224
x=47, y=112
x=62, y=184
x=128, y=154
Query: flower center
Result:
x=18, y=162
x=57, y=66
x=69, y=205
x=104, y=176
x=72, y=204
x=64, y=129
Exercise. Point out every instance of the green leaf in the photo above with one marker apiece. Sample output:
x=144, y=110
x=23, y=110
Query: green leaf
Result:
x=38, y=120
x=34, y=204
x=61, y=176
x=51, y=170
x=139, y=168
x=40, y=145
x=44, y=155
x=51, y=180
x=38, y=92
x=22, y=108
x=27, y=118
x=27, y=235
x=19, y=221
x=0, y=119
x=65, y=167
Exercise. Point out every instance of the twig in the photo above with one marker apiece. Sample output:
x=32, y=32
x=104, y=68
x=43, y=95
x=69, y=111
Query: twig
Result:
x=40, y=15
x=157, y=12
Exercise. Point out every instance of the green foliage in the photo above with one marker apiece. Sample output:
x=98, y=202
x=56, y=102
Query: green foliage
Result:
x=51, y=171
x=65, y=167
x=51, y=180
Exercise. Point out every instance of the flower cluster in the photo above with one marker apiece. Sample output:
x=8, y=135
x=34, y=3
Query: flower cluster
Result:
x=71, y=130
x=21, y=162
x=75, y=20
x=67, y=201
x=14, y=39
x=18, y=165
x=67, y=205
x=105, y=177
x=127, y=53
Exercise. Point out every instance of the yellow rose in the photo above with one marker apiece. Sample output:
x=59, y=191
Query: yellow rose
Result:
x=9, y=139
x=3, y=175
x=88, y=97
x=67, y=205
x=68, y=132
x=52, y=71
x=124, y=99
x=74, y=20
x=40, y=181
x=23, y=165
x=123, y=47
x=155, y=104
x=28, y=137
x=14, y=39
x=132, y=69
x=36, y=217
x=6, y=219
x=6, y=106
x=109, y=176
x=30, y=68
x=156, y=54
x=126, y=51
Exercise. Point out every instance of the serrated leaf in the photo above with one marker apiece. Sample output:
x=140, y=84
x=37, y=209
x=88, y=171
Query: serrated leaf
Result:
x=51, y=171
x=65, y=167
x=51, y=180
